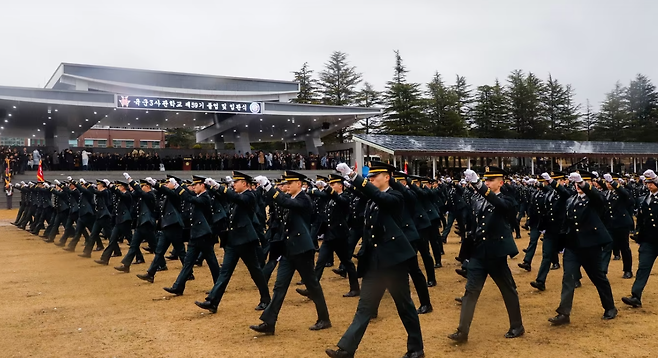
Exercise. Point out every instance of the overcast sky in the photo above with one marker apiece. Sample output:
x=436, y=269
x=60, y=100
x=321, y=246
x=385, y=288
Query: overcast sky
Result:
x=588, y=43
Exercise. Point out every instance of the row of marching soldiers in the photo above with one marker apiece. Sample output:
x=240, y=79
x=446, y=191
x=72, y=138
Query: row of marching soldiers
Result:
x=396, y=215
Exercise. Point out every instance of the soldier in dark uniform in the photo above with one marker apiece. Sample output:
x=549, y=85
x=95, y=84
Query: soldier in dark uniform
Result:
x=535, y=210
x=23, y=203
x=171, y=224
x=355, y=222
x=121, y=221
x=619, y=222
x=85, y=214
x=335, y=233
x=455, y=205
x=61, y=205
x=493, y=243
x=319, y=219
x=585, y=237
x=423, y=194
x=70, y=227
x=647, y=237
x=202, y=240
x=554, y=211
x=382, y=261
x=239, y=243
x=275, y=232
x=103, y=204
x=145, y=221
x=46, y=208
x=31, y=209
x=299, y=255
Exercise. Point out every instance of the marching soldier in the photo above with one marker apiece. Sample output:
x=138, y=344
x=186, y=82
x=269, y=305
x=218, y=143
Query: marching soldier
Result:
x=299, y=255
x=535, y=207
x=121, y=221
x=585, y=237
x=85, y=214
x=619, y=222
x=61, y=205
x=494, y=242
x=103, y=204
x=383, y=262
x=240, y=242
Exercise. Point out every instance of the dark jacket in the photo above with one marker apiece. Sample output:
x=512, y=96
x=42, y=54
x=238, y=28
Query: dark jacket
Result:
x=241, y=215
x=583, y=222
x=296, y=221
x=170, y=211
x=493, y=233
x=201, y=214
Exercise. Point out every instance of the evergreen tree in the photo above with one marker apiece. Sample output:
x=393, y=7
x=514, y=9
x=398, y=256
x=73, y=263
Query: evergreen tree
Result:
x=589, y=121
x=338, y=84
x=307, y=85
x=642, y=101
x=464, y=98
x=562, y=117
x=368, y=97
x=403, y=104
x=490, y=114
x=526, y=108
x=612, y=121
x=442, y=110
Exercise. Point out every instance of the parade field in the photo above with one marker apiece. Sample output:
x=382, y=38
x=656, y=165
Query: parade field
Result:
x=56, y=304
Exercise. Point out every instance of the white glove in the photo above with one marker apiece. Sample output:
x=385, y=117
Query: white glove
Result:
x=320, y=184
x=228, y=179
x=471, y=176
x=462, y=182
x=126, y=175
x=344, y=169
x=211, y=182
x=607, y=178
x=23, y=183
x=448, y=180
x=261, y=180
x=546, y=176
x=17, y=185
x=173, y=181
x=83, y=181
x=622, y=181
x=69, y=178
x=649, y=174
x=46, y=185
x=643, y=178
x=56, y=182
x=596, y=174
x=542, y=232
x=575, y=177
x=532, y=181
x=347, y=184
x=151, y=181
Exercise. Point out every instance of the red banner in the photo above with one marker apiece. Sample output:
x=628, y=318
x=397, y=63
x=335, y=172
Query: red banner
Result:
x=40, y=172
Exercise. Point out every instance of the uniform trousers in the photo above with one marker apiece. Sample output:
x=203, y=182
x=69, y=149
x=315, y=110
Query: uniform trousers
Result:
x=205, y=246
x=85, y=222
x=171, y=236
x=532, y=245
x=103, y=224
x=118, y=231
x=60, y=218
x=145, y=232
x=548, y=253
x=647, y=256
x=326, y=255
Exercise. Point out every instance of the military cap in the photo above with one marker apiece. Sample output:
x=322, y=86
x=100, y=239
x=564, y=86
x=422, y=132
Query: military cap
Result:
x=241, y=176
x=585, y=175
x=377, y=168
x=289, y=176
x=558, y=175
x=615, y=176
x=493, y=172
x=335, y=178
x=198, y=179
x=119, y=182
x=398, y=175
x=144, y=182
x=177, y=179
x=321, y=177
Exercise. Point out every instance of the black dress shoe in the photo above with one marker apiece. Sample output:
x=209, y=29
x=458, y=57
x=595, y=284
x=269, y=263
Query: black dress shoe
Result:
x=627, y=275
x=425, y=309
x=171, y=257
x=117, y=254
x=162, y=268
x=59, y=244
x=438, y=265
x=578, y=284
x=302, y=292
x=261, y=306
x=538, y=285
x=207, y=305
x=198, y=263
x=263, y=328
x=352, y=294
x=617, y=258
x=555, y=266
x=123, y=268
x=610, y=314
x=99, y=248
x=461, y=272
x=85, y=255
x=190, y=277
x=139, y=262
x=299, y=283
x=420, y=354
x=459, y=299
x=145, y=277
x=339, y=353
x=49, y=240
x=320, y=325
x=459, y=337
x=339, y=272
x=148, y=249
x=632, y=301
x=559, y=320
x=431, y=283
x=102, y=262
x=69, y=249
x=515, y=332
x=173, y=291
x=525, y=266
x=525, y=250
x=329, y=264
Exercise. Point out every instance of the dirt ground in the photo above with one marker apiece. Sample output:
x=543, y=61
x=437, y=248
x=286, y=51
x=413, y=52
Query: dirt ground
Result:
x=56, y=304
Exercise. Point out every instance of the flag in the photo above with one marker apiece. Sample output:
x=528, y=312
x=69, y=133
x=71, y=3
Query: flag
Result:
x=40, y=172
x=405, y=167
x=7, y=174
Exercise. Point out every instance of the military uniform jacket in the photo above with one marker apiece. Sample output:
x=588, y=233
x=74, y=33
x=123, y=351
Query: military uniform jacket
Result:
x=170, y=212
x=122, y=205
x=647, y=219
x=357, y=208
x=145, y=205
x=46, y=198
x=493, y=232
x=454, y=200
x=425, y=198
x=219, y=207
x=85, y=199
x=61, y=200
x=583, y=221
x=201, y=213
x=102, y=202
x=384, y=243
x=241, y=216
x=410, y=201
x=616, y=214
x=337, y=211
x=296, y=221
x=554, y=210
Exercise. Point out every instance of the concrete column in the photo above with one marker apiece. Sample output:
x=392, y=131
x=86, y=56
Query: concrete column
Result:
x=219, y=142
x=395, y=162
x=532, y=165
x=242, y=143
x=58, y=137
x=612, y=164
x=433, y=168
x=560, y=164
x=358, y=156
x=634, y=165
x=469, y=162
x=313, y=144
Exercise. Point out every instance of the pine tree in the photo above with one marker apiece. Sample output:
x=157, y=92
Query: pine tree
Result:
x=442, y=110
x=490, y=114
x=338, y=84
x=561, y=113
x=612, y=121
x=524, y=94
x=307, y=85
x=642, y=102
x=464, y=98
x=368, y=97
x=403, y=113
x=589, y=120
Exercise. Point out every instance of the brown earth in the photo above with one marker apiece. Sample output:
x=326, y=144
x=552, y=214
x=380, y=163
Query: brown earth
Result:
x=55, y=304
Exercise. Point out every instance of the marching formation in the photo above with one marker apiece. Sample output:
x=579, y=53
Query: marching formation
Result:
x=383, y=220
